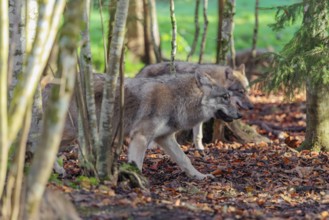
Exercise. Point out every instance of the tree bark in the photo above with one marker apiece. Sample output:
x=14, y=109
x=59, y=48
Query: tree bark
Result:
x=205, y=28
x=154, y=30
x=196, y=31
x=317, y=121
x=86, y=73
x=106, y=166
x=135, y=28
x=25, y=89
x=4, y=51
x=173, y=37
x=55, y=114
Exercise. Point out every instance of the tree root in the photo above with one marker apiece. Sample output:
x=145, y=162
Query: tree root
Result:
x=241, y=131
x=130, y=176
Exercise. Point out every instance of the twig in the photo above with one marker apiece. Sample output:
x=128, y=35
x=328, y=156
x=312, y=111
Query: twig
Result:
x=205, y=27
x=197, y=29
x=173, y=39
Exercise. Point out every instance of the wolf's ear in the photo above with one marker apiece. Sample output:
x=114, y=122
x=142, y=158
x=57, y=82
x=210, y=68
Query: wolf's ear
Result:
x=229, y=73
x=203, y=80
x=242, y=68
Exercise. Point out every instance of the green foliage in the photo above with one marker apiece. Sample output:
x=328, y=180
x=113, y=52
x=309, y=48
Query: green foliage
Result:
x=54, y=179
x=90, y=180
x=287, y=15
x=184, y=12
x=305, y=57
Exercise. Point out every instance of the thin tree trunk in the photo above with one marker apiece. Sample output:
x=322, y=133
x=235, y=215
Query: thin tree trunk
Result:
x=55, y=114
x=105, y=165
x=197, y=30
x=254, y=37
x=112, y=9
x=14, y=189
x=87, y=74
x=173, y=37
x=4, y=51
x=154, y=30
x=100, y=5
x=221, y=5
x=16, y=43
x=231, y=37
x=205, y=28
x=25, y=89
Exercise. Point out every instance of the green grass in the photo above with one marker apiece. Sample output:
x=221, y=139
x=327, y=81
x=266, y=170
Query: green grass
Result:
x=184, y=11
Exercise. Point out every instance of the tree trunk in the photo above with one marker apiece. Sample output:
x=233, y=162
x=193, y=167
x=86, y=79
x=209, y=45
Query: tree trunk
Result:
x=154, y=28
x=197, y=30
x=55, y=114
x=86, y=73
x=173, y=37
x=4, y=51
x=205, y=28
x=106, y=166
x=317, y=121
x=112, y=9
x=135, y=31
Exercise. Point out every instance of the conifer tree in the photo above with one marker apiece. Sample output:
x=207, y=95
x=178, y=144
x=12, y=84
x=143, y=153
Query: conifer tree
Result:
x=304, y=63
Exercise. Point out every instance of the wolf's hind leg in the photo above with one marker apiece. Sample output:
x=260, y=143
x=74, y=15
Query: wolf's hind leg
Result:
x=197, y=136
x=137, y=149
x=171, y=147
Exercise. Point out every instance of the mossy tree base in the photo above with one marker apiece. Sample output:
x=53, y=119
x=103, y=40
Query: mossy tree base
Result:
x=242, y=132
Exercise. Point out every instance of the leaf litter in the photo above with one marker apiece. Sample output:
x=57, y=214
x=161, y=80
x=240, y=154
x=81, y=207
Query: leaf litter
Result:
x=252, y=181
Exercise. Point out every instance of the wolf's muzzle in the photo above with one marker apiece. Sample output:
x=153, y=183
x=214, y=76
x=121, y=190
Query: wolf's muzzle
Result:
x=228, y=118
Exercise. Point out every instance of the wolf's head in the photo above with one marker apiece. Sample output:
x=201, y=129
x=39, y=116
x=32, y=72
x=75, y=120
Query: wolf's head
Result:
x=238, y=85
x=216, y=99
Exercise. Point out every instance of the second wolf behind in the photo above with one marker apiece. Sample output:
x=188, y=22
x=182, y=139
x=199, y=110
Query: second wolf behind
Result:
x=233, y=80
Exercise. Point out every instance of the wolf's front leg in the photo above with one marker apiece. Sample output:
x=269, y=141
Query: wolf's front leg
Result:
x=137, y=149
x=197, y=136
x=171, y=147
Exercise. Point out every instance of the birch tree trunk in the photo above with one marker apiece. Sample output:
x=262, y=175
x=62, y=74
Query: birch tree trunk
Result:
x=55, y=113
x=4, y=51
x=106, y=166
x=37, y=111
x=25, y=89
x=88, y=80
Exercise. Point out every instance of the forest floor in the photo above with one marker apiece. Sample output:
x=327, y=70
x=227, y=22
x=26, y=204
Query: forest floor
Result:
x=253, y=181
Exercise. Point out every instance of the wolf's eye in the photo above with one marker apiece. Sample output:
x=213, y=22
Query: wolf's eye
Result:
x=242, y=91
x=226, y=96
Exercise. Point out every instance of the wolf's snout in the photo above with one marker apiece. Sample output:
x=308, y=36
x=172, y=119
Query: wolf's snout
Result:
x=239, y=115
x=251, y=106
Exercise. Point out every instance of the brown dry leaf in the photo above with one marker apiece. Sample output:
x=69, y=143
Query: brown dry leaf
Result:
x=197, y=154
x=217, y=172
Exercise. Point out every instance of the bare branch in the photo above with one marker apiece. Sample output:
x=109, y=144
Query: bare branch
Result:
x=173, y=39
x=197, y=29
x=205, y=27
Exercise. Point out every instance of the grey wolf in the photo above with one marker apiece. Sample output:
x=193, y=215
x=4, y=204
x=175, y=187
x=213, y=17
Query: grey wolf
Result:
x=157, y=108
x=233, y=80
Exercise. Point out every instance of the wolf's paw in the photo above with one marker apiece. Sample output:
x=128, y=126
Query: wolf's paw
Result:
x=203, y=176
x=199, y=146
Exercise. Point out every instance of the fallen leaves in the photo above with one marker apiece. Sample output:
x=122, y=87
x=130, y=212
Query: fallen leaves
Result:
x=252, y=181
